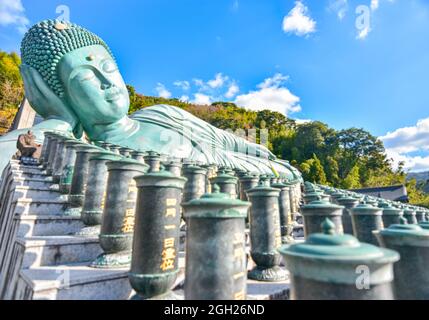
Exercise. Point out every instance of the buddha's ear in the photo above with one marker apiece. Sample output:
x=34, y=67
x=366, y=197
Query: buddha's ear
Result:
x=46, y=103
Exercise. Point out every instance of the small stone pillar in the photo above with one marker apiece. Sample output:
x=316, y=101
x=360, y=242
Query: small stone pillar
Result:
x=58, y=164
x=420, y=215
x=329, y=266
x=117, y=224
x=286, y=227
x=348, y=203
x=317, y=211
x=265, y=234
x=95, y=193
x=106, y=146
x=410, y=215
x=138, y=156
x=115, y=149
x=391, y=215
x=196, y=182
x=125, y=152
x=68, y=165
x=312, y=196
x=79, y=180
x=55, y=138
x=336, y=195
x=411, y=272
x=174, y=166
x=247, y=182
x=44, y=154
x=215, y=251
x=211, y=173
x=153, y=160
x=365, y=219
x=154, y=265
x=227, y=184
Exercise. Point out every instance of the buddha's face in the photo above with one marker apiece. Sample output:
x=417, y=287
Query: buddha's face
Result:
x=94, y=87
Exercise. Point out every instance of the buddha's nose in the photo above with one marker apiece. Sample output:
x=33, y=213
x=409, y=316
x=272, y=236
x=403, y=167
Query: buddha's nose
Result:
x=105, y=86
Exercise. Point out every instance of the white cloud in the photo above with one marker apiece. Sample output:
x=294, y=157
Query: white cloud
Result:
x=403, y=141
x=362, y=34
x=12, y=13
x=413, y=164
x=303, y=121
x=184, y=98
x=374, y=5
x=298, y=21
x=200, y=98
x=162, y=91
x=184, y=85
x=271, y=95
x=232, y=90
x=340, y=7
x=218, y=81
x=276, y=81
x=409, y=139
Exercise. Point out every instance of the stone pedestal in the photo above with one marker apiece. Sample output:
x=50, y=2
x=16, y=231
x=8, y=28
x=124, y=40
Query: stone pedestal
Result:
x=154, y=266
x=248, y=182
x=227, y=184
x=118, y=216
x=348, y=203
x=80, y=176
x=391, y=215
x=58, y=165
x=366, y=219
x=95, y=193
x=174, y=166
x=44, y=155
x=216, y=258
x=329, y=266
x=55, y=138
x=138, y=156
x=411, y=272
x=317, y=211
x=285, y=212
x=195, y=185
x=153, y=160
x=69, y=162
x=410, y=215
x=125, y=152
x=265, y=234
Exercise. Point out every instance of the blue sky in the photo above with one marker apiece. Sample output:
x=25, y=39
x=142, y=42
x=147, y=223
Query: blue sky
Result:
x=362, y=63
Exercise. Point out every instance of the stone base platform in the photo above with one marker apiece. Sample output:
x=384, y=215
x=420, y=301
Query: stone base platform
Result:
x=73, y=282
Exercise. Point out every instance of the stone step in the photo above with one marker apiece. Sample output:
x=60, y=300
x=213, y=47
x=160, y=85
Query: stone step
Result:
x=32, y=182
x=39, y=193
x=73, y=282
x=35, y=207
x=57, y=250
x=28, y=169
x=41, y=176
x=48, y=225
x=34, y=169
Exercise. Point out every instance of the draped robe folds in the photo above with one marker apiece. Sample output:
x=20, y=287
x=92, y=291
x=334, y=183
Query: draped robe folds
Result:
x=203, y=142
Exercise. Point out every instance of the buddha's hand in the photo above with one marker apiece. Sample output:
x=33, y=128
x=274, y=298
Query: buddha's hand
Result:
x=42, y=98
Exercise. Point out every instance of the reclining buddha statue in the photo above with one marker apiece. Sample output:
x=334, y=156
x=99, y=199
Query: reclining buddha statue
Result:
x=72, y=80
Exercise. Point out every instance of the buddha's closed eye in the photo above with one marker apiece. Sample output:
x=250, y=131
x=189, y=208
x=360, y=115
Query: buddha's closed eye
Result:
x=109, y=66
x=85, y=75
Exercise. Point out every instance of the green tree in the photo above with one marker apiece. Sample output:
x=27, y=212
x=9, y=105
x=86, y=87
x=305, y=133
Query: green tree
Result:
x=352, y=181
x=316, y=174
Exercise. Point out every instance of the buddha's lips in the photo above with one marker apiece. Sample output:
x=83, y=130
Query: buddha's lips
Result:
x=113, y=95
